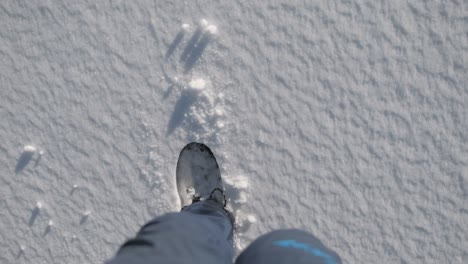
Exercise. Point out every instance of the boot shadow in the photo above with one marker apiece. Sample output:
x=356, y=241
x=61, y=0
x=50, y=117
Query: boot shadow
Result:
x=23, y=161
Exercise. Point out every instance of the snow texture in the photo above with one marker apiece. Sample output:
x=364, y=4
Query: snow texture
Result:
x=345, y=118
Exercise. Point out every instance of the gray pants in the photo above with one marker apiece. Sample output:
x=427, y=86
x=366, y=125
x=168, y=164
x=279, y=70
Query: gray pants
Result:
x=202, y=233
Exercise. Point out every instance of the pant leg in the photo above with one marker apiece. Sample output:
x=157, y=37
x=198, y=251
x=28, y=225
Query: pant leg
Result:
x=288, y=246
x=200, y=233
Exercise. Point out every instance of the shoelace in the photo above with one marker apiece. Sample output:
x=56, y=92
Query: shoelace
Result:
x=224, y=196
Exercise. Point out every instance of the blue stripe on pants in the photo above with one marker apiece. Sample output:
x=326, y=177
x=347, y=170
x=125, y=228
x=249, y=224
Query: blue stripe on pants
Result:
x=288, y=246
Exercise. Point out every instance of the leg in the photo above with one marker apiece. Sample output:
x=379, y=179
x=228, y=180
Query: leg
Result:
x=200, y=233
x=288, y=246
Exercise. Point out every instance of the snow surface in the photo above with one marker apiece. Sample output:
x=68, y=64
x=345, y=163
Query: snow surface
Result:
x=346, y=118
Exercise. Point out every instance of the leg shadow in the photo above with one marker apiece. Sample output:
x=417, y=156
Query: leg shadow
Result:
x=20, y=253
x=47, y=231
x=34, y=215
x=191, y=44
x=168, y=91
x=37, y=160
x=23, y=161
x=175, y=43
x=196, y=53
x=83, y=219
x=182, y=106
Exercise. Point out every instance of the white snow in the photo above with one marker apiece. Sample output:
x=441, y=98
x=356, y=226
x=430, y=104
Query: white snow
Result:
x=251, y=219
x=197, y=84
x=212, y=29
x=203, y=23
x=29, y=149
x=347, y=119
x=207, y=27
x=185, y=27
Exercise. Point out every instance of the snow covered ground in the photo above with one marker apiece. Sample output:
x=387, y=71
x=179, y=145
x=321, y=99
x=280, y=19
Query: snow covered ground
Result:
x=346, y=118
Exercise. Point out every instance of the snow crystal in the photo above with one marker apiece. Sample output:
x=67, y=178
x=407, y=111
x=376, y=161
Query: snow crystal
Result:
x=252, y=219
x=203, y=23
x=212, y=29
x=29, y=149
x=198, y=84
x=207, y=27
x=239, y=182
x=219, y=111
x=185, y=27
x=220, y=124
